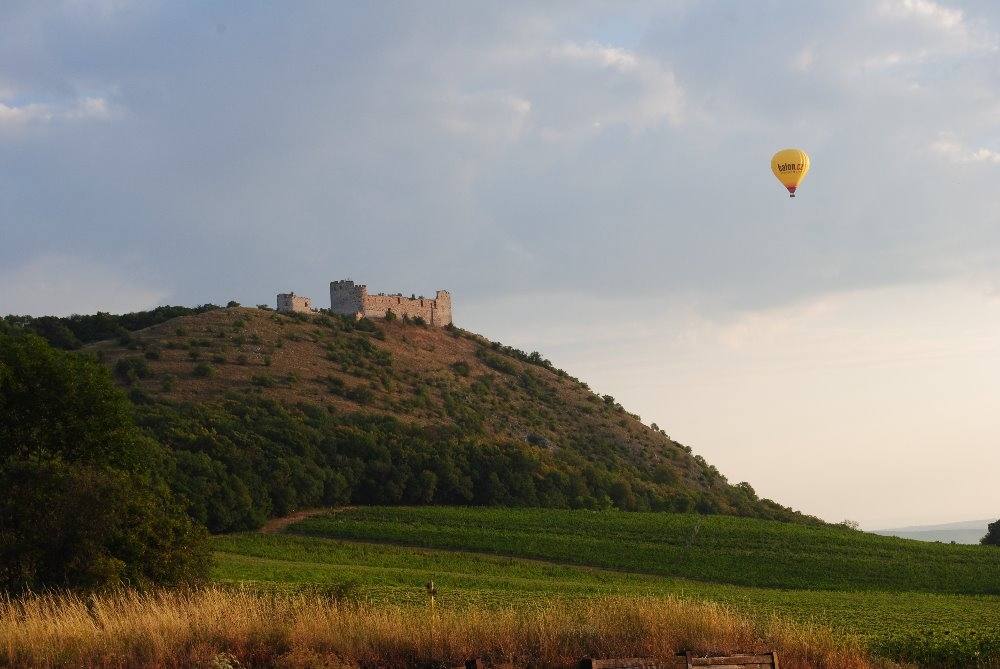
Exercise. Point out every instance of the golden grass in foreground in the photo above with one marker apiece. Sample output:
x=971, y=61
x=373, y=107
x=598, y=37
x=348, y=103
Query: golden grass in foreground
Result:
x=212, y=626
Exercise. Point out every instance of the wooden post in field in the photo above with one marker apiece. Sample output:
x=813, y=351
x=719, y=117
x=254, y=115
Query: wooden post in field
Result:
x=431, y=592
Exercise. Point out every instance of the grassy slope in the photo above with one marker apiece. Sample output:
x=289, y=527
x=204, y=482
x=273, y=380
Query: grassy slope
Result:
x=721, y=549
x=897, y=620
x=431, y=376
x=397, y=574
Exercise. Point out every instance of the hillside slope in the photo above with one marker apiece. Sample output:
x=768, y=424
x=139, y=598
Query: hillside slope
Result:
x=449, y=416
x=898, y=598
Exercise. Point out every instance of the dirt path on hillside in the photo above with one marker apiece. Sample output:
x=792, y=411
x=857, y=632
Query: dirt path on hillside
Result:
x=276, y=525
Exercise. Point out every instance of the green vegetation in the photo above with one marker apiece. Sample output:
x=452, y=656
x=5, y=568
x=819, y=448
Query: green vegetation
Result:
x=323, y=409
x=74, y=331
x=721, y=549
x=388, y=573
x=83, y=504
x=992, y=537
x=933, y=628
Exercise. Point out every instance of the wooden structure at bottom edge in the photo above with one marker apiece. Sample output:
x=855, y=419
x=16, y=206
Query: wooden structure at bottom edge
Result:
x=687, y=660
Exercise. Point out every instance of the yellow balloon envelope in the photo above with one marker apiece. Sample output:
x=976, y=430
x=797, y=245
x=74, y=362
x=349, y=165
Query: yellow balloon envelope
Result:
x=791, y=167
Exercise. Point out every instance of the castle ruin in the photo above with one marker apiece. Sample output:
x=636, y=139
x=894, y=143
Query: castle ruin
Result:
x=351, y=299
x=289, y=302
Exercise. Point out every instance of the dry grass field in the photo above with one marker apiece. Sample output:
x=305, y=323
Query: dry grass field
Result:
x=219, y=627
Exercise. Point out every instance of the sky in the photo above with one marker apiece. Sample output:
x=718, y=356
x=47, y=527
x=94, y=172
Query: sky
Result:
x=588, y=179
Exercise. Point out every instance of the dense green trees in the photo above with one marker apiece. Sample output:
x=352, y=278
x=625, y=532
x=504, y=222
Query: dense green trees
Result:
x=59, y=406
x=82, y=505
x=992, y=537
x=247, y=458
x=74, y=331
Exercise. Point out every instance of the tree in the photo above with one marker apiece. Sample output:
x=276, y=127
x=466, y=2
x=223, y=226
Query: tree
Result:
x=60, y=405
x=81, y=506
x=992, y=537
x=85, y=527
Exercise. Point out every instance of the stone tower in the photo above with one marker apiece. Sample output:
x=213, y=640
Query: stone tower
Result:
x=441, y=313
x=348, y=298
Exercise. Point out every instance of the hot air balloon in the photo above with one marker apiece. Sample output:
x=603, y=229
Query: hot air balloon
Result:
x=791, y=167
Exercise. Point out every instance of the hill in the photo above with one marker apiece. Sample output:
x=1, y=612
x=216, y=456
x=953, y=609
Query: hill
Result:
x=261, y=413
x=963, y=532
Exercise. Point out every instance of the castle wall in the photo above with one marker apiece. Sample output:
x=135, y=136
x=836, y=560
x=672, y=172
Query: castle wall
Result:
x=289, y=302
x=377, y=305
x=352, y=299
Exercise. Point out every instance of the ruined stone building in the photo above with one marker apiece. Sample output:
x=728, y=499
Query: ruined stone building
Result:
x=351, y=299
x=288, y=302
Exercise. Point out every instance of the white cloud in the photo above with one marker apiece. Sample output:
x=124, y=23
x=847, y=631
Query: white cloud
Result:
x=89, y=109
x=933, y=13
x=19, y=117
x=639, y=92
x=491, y=116
x=57, y=284
x=597, y=54
x=961, y=34
x=14, y=116
x=949, y=147
x=565, y=91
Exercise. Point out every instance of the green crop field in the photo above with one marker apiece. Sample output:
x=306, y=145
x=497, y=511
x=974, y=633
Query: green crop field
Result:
x=483, y=556
x=722, y=549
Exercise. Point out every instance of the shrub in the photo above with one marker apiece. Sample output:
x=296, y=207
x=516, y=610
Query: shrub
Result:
x=390, y=315
x=419, y=320
x=231, y=304
x=497, y=362
x=139, y=396
x=152, y=353
x=194, y=355
x=360, y=394
x=131, y=369
x=203, y=370
x=180, y=332
x=242, y=359
x=460, y=367
x=263, y=380
x=167, y=383
x=219, y=359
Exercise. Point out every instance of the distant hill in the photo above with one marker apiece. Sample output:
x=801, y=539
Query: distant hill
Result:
x=964, y=532
x=261, y=413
